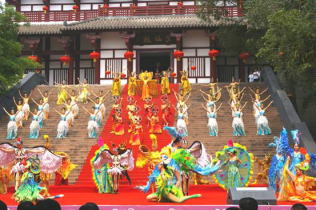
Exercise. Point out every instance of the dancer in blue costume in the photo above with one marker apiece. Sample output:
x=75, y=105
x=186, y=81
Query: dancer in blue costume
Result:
x=262, y=121
x=92, y=123
x=238, y=124
x=12, y=128
x=295, y=154
x=35, y=125
x=63, y=126
x=236, y=169
x=212, y=122
x=278, y=160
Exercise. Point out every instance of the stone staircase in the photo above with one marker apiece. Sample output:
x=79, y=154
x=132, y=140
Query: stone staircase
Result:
x=77, y=144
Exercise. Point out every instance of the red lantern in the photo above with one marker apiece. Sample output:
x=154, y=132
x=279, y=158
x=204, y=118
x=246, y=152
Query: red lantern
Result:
x=75, y=8
x=123, y=75
x=180, y=4
x=244, y=56
x=45, y=9
x=193, y=68
x=178, y=54
x=108, y=72
x=213, y=54
x=94, y=56
x=173, y=74
x=33, y=58
x=105, y=6
x=65, y=59
x=129, y=55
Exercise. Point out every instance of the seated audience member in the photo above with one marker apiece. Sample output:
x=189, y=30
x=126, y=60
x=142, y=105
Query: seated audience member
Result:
x=3, y=206
x=233, y=208
x=47, y=204
x=26, y=205
x=298, y=206
x=89, y=206
x=248, y=204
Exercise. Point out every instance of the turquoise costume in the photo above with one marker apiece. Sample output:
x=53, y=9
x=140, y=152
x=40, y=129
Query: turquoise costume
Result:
x=212, y=124
x=238, y=124
x=34, y=128
x=262, y=124
x=62, y=128
x=12, y=129
x=92, y=127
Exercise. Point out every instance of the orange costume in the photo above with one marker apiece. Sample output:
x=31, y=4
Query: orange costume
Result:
x=136, y=129
x=155, y=127
x=118, y=125
x=145, y=77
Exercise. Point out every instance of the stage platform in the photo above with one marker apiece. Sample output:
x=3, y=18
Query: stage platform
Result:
x=213, y=197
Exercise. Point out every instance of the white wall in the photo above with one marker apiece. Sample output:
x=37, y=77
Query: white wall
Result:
x=195, y=38
x=112, y=40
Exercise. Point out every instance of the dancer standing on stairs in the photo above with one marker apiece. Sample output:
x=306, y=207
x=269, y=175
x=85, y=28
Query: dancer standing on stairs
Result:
x=84, y=94
x=35, y=124
x=62, y=93
x=165, y=86
x=116, y=86
x=145, y=77
x=214, y=90
x=45, y=98
x=132, y=85
x=62, y=127
x=19, y=113
x=101, y=97
x=238, y=124
x=212, y=122
x=70, y=116
x=185, y=83
x=97, y=105
x=40, y=108
x=12, y=128
x=73, y=102
x=256, y=100
x=92, y=123
x=26, y=107
x=211, y=100
x=262, y=121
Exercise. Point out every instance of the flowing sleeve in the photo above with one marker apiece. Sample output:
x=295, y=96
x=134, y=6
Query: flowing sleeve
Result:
x=128, y=160
x=49, y=162
x=6, y=157
x=198, y=150
x=103, y=158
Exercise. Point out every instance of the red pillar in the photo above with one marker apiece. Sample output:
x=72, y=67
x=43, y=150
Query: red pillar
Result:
x=213, y=45
x=97, y=63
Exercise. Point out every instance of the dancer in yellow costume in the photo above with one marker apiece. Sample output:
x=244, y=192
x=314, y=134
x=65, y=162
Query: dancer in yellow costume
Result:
x=62, y=93
x=116, y=86
x=185, y=84
x=145, y=77
x=165, y=86
x=132, y=85
x=84, y=94
x=63, y=172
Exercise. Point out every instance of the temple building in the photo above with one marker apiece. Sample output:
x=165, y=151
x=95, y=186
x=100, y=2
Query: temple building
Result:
x=94, y=39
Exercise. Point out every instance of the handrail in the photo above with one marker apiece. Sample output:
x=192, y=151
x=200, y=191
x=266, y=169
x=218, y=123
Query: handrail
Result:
x=41, y=16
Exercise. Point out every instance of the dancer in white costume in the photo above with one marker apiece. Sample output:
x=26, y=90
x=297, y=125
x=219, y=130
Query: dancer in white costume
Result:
x=35, y=125
x=19, y=113
x=101, y=97
x=40, y=108
x=262, y=121
x=45, y=97
x=212, y=122
x=12, y=128
x=257, y=101
x=181, y=125
x=70, y=116
x=98, y=113
x=74, y=104
x=26, y=107
x=238, y=124
x=62, y=127
x=92, y=123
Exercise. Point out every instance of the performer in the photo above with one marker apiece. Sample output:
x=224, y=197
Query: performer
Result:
x=62, y=93
x=298, y=189
x=26, y=107
x=211, y=100
x=45, y=98
x=295, y=154
x=92, y=124
x=212, y=122
x=166, y=110
x=40, y=108
x=233, y=87
x=165, y=86
x=62, y=174
x=97, y=111
x=12, y=129
x=118, y=162
x=237, y=166
x=185, y=84
x=181, y=123
x=132, y=85
x=155, y=126
x=73, y=102
x=137, y=129
x=19, y=113
x=256, y=100
x=5, y=178
x=63, y=126
x=116, y=86
x=101, y=97
x=35, y=125
x=84, y=94
x=262, y=121
x=238, y=124
x=214, y=90
x=69, y=114
x=8, y=153
x=118, y=124
x=145, y=77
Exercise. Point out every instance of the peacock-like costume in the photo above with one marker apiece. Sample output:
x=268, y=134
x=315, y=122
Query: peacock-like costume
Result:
x=237, y=171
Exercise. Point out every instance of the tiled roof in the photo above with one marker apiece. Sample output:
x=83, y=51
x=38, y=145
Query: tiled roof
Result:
x=40, y=29
x=125, y=22
x=143, y=22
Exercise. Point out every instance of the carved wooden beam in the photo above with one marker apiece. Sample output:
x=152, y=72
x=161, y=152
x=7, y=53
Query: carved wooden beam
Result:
x=178, y=37
x=93, y=39
x=128, y=37
x=66, y=42
x=32, y=43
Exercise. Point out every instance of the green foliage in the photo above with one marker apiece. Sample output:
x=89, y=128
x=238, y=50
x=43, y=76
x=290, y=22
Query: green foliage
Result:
x=12, y=65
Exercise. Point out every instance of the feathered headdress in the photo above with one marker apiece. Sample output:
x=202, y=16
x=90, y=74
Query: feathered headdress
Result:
x=19, y=141
x=172, y=131
x=296, y=136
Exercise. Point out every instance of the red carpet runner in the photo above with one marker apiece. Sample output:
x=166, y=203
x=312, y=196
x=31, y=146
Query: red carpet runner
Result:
x=138, y=175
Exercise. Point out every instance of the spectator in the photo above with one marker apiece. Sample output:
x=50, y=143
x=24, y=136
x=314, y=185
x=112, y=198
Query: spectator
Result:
x=89, y=206
x=3, y=206
x=233, y=208
x=248, y=204
x=251, y=78
x=48, y=204
x=298, y=206
x=26, y=205
x=256, y=75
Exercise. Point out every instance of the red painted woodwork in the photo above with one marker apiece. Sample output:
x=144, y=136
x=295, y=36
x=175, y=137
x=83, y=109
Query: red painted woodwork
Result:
x=40, y=16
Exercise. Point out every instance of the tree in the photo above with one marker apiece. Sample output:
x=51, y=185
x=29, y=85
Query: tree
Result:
x=12, y=65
